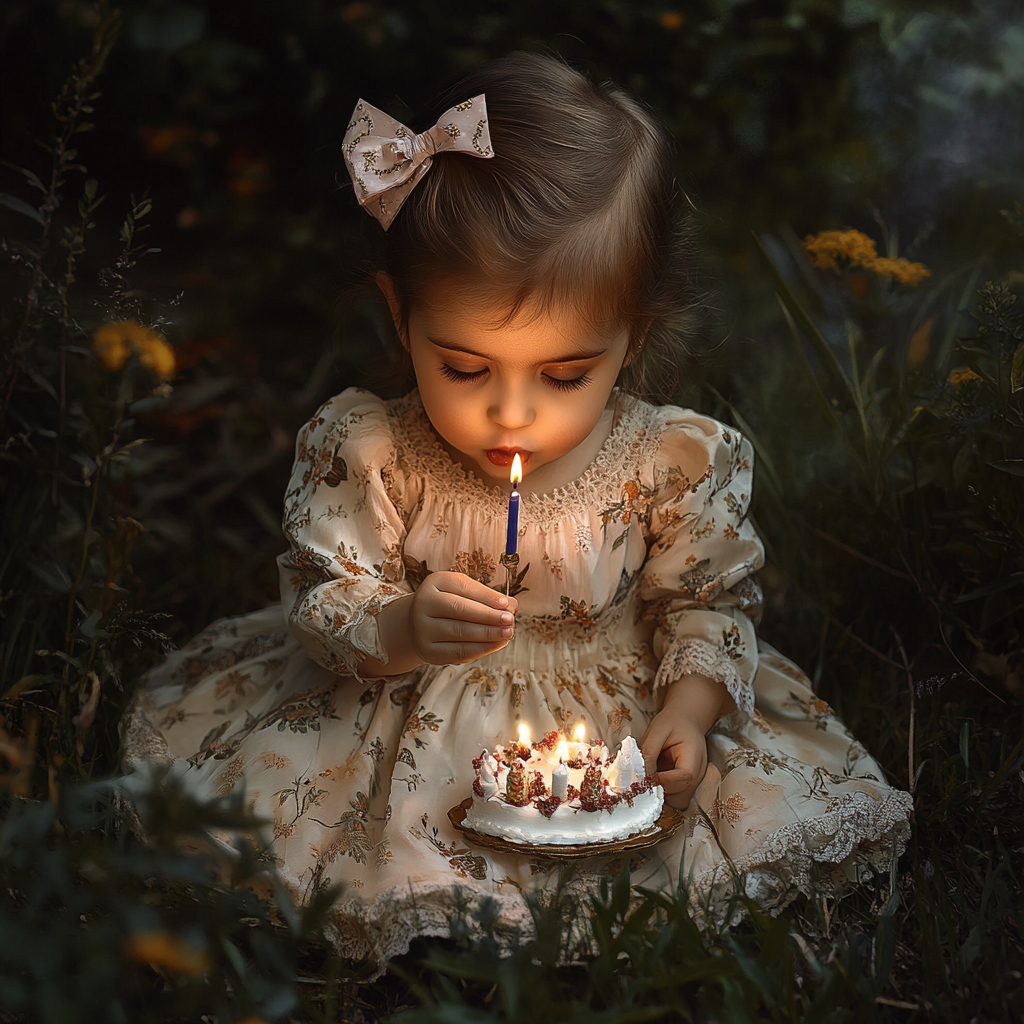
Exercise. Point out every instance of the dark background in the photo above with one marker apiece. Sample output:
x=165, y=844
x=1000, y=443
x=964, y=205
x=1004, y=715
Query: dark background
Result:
x=887, y=420
x=803, y=116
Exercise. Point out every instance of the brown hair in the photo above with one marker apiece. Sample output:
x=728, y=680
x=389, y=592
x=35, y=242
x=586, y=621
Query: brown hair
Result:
x=580, y=205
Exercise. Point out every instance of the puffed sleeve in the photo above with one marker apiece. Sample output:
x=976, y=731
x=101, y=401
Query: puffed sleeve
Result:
x=702, y=549
x=345, y=523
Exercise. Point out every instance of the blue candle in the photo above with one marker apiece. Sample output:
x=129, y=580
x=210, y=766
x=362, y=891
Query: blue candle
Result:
x=512, y=535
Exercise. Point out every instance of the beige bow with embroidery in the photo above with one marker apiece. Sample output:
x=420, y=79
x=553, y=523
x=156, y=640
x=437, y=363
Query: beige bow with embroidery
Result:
x=386, y=159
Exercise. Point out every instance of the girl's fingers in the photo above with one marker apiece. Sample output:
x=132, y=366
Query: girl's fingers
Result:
x=679, y=784
x=462, y=609
x=473, y=591
x=458, y=654
x=460, y=631
x=677, y=780
x=651, y=744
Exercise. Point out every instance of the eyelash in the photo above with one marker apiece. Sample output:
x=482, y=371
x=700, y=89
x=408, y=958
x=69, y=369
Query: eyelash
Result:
x=460, y=377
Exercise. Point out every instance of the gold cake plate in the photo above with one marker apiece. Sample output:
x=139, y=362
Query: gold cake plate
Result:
x=668, y=824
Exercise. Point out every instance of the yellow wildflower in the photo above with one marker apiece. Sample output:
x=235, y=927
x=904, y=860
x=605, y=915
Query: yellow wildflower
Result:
x=961, y=375
x=160, y=948
x=899, y=269
x=827, y=248
x=115, y=341
x=110, y=343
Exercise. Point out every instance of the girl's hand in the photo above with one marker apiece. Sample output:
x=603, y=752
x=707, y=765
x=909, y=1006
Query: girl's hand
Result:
x=454, y=619
x=675, y=754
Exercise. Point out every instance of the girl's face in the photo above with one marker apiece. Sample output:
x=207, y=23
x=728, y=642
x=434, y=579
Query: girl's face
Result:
x=537, y=385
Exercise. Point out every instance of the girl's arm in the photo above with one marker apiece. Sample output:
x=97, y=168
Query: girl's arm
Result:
x=702, y=548
x=449, y=620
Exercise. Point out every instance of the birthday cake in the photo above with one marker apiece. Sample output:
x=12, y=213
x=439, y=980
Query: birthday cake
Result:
x=561, y=793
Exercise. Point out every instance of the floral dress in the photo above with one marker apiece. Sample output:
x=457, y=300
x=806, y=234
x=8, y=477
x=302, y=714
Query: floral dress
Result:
x=636, y=573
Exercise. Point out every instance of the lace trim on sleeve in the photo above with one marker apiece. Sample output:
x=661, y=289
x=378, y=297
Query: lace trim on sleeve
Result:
x=362, y=633
x=343, y=647
x=699, y=657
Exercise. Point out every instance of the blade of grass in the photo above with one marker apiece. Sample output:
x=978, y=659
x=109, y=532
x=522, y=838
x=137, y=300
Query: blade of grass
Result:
x=835, y=373
x=854, y=337
x=963, y=306
x=823, y=400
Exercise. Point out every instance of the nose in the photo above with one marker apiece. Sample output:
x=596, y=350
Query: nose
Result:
x=511, y=407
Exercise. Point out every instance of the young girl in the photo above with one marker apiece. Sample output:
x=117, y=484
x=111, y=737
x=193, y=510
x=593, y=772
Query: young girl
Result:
x=532, y=262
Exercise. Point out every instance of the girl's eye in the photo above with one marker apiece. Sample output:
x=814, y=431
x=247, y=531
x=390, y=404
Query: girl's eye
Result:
x=460, y=376
x=569, y=385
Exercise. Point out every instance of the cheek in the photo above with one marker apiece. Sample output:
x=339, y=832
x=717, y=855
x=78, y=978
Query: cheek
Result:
x=572, y=422
x=447, y=410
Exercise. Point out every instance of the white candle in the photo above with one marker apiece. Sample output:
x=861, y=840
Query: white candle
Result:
x=560, y=781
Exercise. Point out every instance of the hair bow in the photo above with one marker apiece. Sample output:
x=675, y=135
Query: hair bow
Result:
x=386, y=159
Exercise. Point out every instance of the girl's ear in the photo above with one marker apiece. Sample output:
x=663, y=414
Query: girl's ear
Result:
x=386, y=284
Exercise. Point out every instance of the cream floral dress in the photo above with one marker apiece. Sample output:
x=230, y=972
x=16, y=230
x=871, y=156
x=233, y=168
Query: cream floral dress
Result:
x=636, y=573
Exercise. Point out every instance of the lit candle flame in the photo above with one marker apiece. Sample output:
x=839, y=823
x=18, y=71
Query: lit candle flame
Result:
x=517, y=469
x=562, y=750
x=524, y=734
x=579, y=733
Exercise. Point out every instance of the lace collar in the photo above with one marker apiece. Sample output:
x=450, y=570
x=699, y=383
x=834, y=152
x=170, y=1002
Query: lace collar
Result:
x=630, y=443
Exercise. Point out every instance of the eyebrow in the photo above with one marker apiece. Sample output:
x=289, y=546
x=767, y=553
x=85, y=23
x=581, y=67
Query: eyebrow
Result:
x=579, y=357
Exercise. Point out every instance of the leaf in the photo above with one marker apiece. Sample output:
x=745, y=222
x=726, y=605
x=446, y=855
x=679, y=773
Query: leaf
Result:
x=1015, y=467
x=21, y=686
x=1017, y=370
x=962, y=463
x=30, y=176
x=20, y=206
x=74, y=662
x=998, y=587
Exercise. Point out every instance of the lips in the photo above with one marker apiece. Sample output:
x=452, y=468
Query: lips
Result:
x=503, y=456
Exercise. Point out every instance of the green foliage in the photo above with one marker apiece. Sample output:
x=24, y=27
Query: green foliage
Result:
x=927, y=443
x=67, y=641
x=95, y=925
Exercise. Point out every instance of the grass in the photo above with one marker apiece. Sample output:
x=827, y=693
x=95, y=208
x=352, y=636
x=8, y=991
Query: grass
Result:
x=889, y=429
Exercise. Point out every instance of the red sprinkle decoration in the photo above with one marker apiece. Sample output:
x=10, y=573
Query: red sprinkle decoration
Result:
x=548, y=743
x=547, y=806
x=590, y=790
x=515, y=786
x=536, y=785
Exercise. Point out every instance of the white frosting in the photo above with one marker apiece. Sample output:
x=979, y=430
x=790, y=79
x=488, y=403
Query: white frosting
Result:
x=570, y=824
